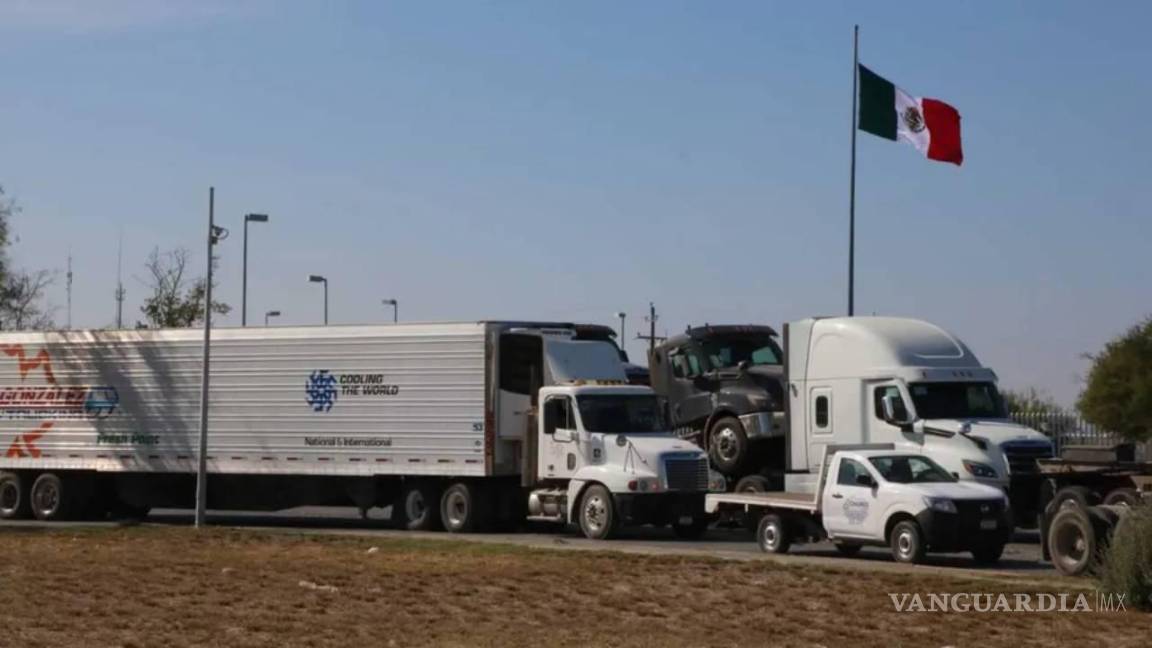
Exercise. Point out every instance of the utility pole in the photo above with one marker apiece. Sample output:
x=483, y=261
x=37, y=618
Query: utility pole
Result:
x=120, y=282
x=215, y=235
x=69, y=285
x=651, y=337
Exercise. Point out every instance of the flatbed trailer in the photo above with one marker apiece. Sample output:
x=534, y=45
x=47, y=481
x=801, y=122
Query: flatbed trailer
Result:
x=1083, y=499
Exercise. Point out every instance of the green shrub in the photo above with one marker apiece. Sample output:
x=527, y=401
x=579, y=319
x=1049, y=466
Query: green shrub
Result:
x=1127, y=564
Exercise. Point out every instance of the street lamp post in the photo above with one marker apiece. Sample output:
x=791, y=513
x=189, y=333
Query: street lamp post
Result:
x=215, y=235
x=323, y=280
x=249, y=218
x=395, y=309
x=270, y=314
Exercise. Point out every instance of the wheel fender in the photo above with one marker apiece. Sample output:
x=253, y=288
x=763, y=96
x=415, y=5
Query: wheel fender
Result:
x=894, y=516
x=576, y=488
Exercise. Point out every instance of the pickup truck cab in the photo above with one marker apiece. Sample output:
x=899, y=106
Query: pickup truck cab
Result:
x=878, y=495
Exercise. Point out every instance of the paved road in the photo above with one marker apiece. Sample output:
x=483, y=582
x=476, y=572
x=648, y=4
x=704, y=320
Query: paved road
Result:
x=1021, y=557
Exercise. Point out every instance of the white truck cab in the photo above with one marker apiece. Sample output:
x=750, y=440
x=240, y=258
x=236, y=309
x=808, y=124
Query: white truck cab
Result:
x=910, y=383
x=879, y=495
x=605, y=457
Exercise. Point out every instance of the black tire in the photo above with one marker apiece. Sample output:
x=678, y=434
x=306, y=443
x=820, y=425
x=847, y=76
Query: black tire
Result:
x=752, y=484
x=1122, y=497
x=1074, y=495
x=1072, y=542
x=13, y=497
x=988, y=553
x=773, y=534
x=728, y=445
x=694, y=530
x=848, y=548
x=597, y=513
x=462, y=508
x=50, y=498
x=907, y=542
x=419, y=507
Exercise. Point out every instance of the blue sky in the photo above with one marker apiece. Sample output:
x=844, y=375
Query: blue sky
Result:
x=570, y=160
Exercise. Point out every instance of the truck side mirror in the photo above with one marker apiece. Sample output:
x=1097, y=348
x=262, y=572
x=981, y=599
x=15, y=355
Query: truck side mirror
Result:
x=562, y=435
x=865, y=480
x=743, y=366
x=894, y=411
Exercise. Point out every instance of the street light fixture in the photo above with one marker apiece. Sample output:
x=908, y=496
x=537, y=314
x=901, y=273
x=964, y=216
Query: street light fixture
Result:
x=249, y=218
x=323, y=280
x=395, y=309
x=270, y=314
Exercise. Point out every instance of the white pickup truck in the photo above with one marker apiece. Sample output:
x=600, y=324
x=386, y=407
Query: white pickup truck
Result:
x=873, y=494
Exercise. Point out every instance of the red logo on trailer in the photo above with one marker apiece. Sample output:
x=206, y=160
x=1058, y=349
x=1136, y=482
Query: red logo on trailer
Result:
x=25, y=444
x=25, y=364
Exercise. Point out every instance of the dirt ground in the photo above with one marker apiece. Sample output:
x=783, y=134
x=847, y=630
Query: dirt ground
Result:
x=179, y=587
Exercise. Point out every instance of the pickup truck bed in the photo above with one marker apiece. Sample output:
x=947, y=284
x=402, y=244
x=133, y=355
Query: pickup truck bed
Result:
x=774, y=499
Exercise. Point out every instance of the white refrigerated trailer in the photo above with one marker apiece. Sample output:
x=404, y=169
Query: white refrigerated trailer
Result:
x=437, y=421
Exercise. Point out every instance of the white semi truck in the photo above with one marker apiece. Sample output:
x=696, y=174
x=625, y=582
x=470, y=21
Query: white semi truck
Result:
x=461, y=425
x=908, y=382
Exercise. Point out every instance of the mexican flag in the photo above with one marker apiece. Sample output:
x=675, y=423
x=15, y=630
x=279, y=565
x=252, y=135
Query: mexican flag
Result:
x=930, y=125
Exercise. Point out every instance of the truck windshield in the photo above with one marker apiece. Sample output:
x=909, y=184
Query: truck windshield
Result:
x=725, y=353
x=621, y=414
x=910, y=469
x=957, y=400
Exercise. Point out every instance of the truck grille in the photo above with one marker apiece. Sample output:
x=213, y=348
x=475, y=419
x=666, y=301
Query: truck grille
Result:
x=1022, y=456
x=971, y=512
x=686, y=474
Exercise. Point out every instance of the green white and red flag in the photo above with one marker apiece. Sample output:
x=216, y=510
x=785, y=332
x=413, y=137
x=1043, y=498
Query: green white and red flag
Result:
x=930, y=125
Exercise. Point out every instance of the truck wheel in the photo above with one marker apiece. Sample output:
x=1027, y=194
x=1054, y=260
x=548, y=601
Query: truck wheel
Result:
x=49, y=499
x=988, y=553
x=848, y=548
x=773, y=534
x=1072, y=541
x=1074, y=495
x=13, y=497
x=419, y=506
x=752, y=484
x=728, y=445
x=462, y=509
x=1123, y=497
x=694, y=530
x=908, y=543
x=598, y=513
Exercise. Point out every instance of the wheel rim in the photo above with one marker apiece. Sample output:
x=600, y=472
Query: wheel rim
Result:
x=905, y=544
x=9, y=497
x=771, y=536
x=726, y=444
x=457, y=508
x=417, y=507
x=1071, y=546
x=47, y=498
x=595, y=513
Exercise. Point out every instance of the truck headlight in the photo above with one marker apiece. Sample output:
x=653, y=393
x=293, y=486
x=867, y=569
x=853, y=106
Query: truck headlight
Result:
x=940, y=504
x=977, y=469
x=717, y=483
x=645, y=485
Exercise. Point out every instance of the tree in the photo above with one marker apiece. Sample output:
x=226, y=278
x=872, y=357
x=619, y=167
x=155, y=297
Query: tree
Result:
x=21, y=293
x=176, y=301
x=1030, y=400
x=1118, y=392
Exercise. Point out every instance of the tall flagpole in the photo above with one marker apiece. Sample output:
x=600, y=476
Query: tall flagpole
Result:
x=852, y=182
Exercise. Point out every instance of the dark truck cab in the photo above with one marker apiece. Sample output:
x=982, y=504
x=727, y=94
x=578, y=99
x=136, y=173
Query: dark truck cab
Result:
x=724, y=391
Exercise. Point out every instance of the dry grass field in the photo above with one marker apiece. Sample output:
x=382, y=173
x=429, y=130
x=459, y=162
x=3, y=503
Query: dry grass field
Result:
x=178, y=587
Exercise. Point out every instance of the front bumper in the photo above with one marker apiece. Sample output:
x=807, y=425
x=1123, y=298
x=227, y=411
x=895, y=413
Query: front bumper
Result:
x=659, y=508
x=763, y=425
x=963, y=530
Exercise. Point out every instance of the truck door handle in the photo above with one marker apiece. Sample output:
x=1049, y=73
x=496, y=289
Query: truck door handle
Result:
x=837, y=496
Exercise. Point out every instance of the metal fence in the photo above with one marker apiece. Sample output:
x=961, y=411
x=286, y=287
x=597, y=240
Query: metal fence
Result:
x=1066, y=429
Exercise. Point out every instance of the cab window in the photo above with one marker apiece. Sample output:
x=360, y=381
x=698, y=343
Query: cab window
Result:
x=849, y=468
x=684, y=364
x=558, y=414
